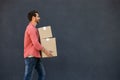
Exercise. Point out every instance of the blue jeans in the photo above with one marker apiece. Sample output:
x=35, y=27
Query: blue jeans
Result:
x=30, y=65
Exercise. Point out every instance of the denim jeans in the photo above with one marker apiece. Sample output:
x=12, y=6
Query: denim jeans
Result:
x=31, y=64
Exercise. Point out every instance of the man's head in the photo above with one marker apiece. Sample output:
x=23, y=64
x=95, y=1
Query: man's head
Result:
x=33, y=16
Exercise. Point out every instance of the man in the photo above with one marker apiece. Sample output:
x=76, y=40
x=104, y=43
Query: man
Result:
x=32, y=48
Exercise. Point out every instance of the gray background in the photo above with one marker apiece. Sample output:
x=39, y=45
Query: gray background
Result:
x=87, y=32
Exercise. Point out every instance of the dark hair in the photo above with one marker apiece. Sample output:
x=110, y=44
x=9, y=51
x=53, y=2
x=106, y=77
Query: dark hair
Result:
x=31, y=14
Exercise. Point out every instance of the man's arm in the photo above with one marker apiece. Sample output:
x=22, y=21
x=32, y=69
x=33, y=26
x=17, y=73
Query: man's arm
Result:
x=36, y=44
x=34, y=38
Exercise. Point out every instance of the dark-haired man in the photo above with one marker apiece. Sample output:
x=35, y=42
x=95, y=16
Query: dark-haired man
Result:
x=32, y=48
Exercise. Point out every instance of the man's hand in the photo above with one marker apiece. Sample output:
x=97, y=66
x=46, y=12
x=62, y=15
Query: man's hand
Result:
x=47, y=52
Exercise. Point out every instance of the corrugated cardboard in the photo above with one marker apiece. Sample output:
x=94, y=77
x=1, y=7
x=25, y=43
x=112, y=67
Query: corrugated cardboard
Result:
x=49, y=44
x=45, y=32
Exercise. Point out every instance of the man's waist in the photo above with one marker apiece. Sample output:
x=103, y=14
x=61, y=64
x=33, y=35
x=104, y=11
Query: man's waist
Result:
x=30, y=56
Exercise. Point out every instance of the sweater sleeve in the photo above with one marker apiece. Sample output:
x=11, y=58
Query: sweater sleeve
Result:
x=35, y=39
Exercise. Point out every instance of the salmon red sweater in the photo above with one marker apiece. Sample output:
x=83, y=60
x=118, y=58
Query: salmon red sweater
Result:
x=32, y=45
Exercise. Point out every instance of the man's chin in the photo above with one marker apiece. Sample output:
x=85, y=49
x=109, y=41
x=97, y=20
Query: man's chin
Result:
x=38, y=22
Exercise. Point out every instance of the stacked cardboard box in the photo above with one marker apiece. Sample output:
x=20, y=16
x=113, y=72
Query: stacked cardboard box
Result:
x=47, y=40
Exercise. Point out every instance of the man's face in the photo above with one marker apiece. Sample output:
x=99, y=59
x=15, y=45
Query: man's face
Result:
x=37, y=18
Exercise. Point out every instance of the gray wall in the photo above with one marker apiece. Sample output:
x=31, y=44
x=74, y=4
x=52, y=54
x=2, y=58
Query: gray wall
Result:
x=87, y=32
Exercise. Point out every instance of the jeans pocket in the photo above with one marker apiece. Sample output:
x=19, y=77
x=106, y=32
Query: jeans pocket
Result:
x=29, y=61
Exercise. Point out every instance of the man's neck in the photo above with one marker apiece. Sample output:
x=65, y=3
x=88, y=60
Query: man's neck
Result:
x=33, y=23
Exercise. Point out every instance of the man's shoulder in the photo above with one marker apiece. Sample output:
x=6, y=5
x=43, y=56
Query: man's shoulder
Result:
x=30, y=29
x=29, y=26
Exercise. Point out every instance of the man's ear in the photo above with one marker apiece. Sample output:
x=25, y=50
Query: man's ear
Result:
x=33, y=17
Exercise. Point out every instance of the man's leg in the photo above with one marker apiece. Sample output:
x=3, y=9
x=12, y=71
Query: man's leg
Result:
x=29, y=67
x=41, y=70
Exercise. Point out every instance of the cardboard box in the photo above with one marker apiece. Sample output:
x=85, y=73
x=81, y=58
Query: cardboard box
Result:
x=45, y=32
x=49, y=44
